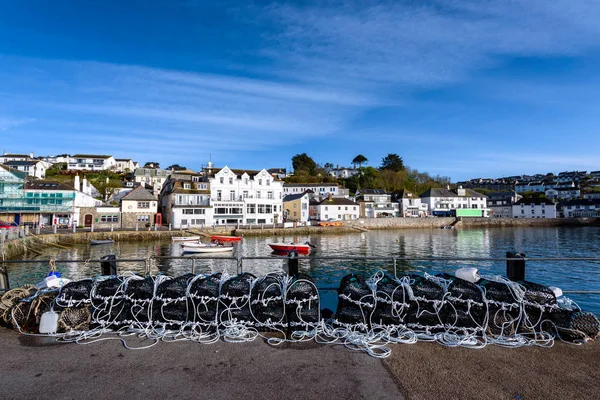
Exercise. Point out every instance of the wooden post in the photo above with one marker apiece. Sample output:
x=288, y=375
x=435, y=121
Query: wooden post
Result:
x=515, y=269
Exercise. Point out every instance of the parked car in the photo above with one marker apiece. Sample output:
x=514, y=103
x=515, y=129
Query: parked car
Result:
x=4, y=225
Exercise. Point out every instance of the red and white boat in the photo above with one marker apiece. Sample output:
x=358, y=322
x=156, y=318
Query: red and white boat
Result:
x=225, y=239
x=286, y=248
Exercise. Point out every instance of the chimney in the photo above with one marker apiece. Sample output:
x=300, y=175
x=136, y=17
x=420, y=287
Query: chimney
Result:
x=77, y=184
x=86, y=187
x=31, y=155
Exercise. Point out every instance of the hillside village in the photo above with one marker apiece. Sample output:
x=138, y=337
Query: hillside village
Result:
x=86, y=190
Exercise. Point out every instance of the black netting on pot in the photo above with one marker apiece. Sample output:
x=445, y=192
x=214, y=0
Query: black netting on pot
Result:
x=572, y=325
x=76, y=293
x=392, y=302
x=139, y=294
x=108, y=298
x=267, y=302
x=234, y=300
x=356, y=301
x=425, y=305
x=467, y=300
x=503, y=307
x=538, y=300
x=204, y=299
x=171, y=303
x=538, y=294
x=10, y=299
x=302, y=302
x=74, y=319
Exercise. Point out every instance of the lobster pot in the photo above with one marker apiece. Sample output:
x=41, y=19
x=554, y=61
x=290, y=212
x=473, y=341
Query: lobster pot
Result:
x=108, y=300
x=392, y=303
x=466, y=308
x=234, y=300
x=170, y=305
x=267, y=303
x=356, y=302
x=427, y=301
x=203, y=298
x=302, y=303
x=538, y=301
x=28, y=312
x=503, y=308
x=11, y=299
x=75, y=294
x=572, y=325
x=139, y=293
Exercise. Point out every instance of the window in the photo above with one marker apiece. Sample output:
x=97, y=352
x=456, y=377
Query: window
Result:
x=258, y=194
x=143, y=204
x=260, y=182
x=245, y=194
x=232, y=195
x=268, y=182
x=184, y=222
x=221, y=180
x=251, y=209
x=187, y=186
x=143, y=218
x=218, y=195
x=231, y=181
x=109, y=218
x=270, y=195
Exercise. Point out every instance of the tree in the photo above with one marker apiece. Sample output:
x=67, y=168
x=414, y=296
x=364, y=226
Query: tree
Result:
x=392, y=162
x=302, y=162
x=152, y=164
x=105, y=187
x=328, y=167
x=360, y=160
x=176, y=167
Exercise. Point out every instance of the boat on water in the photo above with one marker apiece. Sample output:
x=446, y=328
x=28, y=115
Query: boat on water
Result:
x=225, y=239
x=286, y=248
x=104, y=241
x=205, y=248
x=185, y=238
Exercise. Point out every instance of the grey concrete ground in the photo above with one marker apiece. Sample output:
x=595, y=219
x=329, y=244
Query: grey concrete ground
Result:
x=41, y=369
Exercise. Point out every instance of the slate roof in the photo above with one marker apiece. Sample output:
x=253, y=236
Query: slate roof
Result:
x=536, y=201
x=90, y=156
x=139, y=193
x=441, y=192
x=16, y=163
x=338, y=201
x=292, y=197
x=47, y=185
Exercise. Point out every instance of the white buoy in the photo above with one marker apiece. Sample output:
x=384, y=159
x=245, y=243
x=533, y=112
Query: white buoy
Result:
x=557, y=291
x=468, y=274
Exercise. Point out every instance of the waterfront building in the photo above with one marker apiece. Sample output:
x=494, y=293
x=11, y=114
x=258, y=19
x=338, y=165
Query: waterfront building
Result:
x=33, y=168
x=590, y=195
x=184, y=200
x=296, y=207
x=534, y=208
x=409, y=204
x=335, y=208
x=500, y=203
x=581, y=208
x=245, y=197
x=62, y=158
x=102, y=217
x=460, y=202
x=376, y=203
x=12, y=194
x=139, y=209
x=563, y=193
x=48, y=203
x=6, y=157
x=91, y=162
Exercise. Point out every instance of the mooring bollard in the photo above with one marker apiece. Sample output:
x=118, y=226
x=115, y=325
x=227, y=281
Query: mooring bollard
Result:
x=137, y=227
x=4, y=286
x=74, y=228
x=92, y=228
x=108, y=265
x=54, y=227
x=169, y=227
x=112, y=227
x=37, y=229
x=515, y=269
x=293, y=263
x=26, y=230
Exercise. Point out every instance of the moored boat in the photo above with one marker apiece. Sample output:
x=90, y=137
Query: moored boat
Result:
x=104, y=241
x=185, y=238
x=205, y=248
x=286, y=248
x=225, y=239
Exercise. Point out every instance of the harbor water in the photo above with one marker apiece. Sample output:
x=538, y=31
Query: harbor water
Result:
x=547, y=242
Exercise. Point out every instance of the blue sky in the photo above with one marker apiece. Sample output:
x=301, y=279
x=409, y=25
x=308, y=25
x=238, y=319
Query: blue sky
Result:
x=461, y=88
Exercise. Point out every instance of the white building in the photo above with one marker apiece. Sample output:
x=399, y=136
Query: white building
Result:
x=91, y=162
x=336, y=208
x=320, y=190
x=34, y=168
x=296, y=207
x=125, y=164
x=6, y=157
x=343, y=173
x=534, y=208
x=376, y=203
x=410, y=205
x=581, y=208
x=445, y=202
x=245, y=197
x=84, y=198
x=154, y=177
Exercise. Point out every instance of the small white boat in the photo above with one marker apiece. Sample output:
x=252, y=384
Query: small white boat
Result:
x=97, y=242
x=205, y=248
x=185, y=238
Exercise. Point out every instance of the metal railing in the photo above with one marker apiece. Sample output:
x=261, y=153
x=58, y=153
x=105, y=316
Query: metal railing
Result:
x=515, y=264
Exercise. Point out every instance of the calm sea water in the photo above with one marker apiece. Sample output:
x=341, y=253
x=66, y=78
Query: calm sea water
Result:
x=484, y=243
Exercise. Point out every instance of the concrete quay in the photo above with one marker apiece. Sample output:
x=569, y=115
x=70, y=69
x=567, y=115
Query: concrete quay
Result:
x=34, y=367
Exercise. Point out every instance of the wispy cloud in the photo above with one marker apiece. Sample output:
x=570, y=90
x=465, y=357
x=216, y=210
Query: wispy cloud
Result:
x=8, y=123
